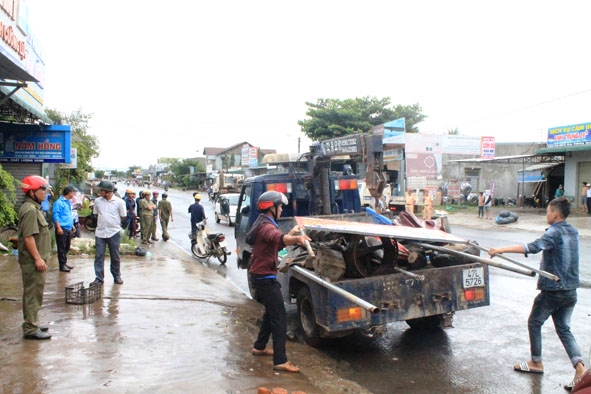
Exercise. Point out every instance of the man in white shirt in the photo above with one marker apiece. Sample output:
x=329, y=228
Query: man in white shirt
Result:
x=110, y=211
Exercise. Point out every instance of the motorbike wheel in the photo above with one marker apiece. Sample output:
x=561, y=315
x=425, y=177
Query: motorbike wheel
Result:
x=223, y=257
x=90, y=224
x=196, y=252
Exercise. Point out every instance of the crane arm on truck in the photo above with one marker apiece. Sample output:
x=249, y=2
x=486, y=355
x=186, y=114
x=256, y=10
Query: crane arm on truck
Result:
x=367, y=146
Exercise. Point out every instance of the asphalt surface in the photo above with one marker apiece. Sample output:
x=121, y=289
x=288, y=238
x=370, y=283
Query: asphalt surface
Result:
x=173, y=326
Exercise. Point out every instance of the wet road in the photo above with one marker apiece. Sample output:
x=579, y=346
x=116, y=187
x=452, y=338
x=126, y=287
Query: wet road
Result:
x=174, y=326
x=474, y=357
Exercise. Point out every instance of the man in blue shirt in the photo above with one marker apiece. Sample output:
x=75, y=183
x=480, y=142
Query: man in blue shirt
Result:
x=560, y=256
x=63, y=221
x=197, y=214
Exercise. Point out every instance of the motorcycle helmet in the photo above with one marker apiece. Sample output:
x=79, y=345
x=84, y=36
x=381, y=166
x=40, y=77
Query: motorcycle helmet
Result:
x=106, y=186
x=33, y=182
x=129, y=191
x=197, y=196
x=271, y=199
x=155, y=192
x=164, y=195
x=146, y=193
x=140, y=251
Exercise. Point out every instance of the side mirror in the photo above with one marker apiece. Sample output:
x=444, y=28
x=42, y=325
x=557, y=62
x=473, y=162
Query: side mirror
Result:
x=245, y=210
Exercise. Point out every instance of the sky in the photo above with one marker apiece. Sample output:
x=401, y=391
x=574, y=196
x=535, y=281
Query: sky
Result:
x=168, y=78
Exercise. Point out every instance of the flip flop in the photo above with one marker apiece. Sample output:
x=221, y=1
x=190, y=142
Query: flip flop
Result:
x=524, y=367
x=286, y=367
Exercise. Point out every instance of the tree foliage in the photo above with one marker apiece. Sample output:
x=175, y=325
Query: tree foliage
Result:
x=181, y=171
x=87, y=146
x=330, y=118
x=8, y=212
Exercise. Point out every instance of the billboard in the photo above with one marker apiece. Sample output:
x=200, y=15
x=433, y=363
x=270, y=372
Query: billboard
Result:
x=576, y=134
x=25, y=143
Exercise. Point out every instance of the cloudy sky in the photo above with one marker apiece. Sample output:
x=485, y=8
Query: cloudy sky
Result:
x=168, y=78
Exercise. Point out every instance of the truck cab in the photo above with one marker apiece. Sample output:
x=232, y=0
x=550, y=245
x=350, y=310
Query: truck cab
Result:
x=303, y=201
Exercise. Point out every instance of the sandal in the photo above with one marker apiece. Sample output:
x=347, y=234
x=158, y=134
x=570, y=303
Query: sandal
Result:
x=524, y=367
x=264, y=352
x=286, y=367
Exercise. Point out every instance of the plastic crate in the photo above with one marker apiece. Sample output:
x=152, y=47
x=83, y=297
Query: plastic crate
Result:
x=78, y=294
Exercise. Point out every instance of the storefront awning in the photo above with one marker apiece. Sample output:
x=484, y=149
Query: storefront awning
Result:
x=9, y=70
x=564, y=149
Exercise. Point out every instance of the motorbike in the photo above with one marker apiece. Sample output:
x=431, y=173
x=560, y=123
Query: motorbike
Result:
x=91, y=221
x=206, y=244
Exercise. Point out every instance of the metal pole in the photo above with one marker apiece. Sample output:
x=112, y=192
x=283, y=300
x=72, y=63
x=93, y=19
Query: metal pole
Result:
x=351, y=297
x=477, y=258
x=540, y=272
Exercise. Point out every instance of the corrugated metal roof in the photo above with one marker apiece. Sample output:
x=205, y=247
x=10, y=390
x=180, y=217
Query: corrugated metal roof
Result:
x=541, y=166
x=563, y=149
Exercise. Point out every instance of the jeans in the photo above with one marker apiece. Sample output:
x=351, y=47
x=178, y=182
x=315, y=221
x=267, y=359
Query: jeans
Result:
x=559, y=305
x=268, y=293
x=99, y=258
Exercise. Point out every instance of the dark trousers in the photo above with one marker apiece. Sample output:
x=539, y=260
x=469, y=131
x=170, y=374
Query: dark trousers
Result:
x=63, y=242
x=589, y=205
x=99, y=257
x=268, y=293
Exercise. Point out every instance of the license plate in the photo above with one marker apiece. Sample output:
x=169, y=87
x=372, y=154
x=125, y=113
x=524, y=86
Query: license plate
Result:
x=223, y=244
x=473, y=277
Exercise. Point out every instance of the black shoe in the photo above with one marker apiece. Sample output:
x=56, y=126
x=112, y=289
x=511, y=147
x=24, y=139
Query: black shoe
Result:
x=155, y=239
x=69, y=266
x=95, y=282
x=64, y=269
x=118, y=281
x=44, y=328
x=39, y=335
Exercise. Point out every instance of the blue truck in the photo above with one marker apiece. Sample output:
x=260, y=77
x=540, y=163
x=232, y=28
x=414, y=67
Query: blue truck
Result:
x=363, y=275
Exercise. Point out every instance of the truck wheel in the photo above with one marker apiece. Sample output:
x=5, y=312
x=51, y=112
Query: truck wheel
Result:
x=428, y=323
x=310, y=330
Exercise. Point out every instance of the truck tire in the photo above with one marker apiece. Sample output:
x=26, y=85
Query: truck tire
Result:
x=310, y=330
x=428, y=323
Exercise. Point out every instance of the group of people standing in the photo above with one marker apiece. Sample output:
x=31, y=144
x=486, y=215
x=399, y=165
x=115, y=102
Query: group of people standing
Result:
x=148, y=209
x=411, y=200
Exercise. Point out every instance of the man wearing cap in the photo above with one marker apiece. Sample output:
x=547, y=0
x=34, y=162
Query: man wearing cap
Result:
x=155, y=212
x=34, y=248
x=63, y=223
x=165, y=211
x=110, y=211
x=146, y=210
x=197, y=214
x=130, y=206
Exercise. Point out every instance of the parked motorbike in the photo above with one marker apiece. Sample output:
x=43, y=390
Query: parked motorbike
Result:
x=206, y=244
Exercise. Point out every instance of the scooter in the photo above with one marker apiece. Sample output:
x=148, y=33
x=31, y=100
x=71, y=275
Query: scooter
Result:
x=205, y=245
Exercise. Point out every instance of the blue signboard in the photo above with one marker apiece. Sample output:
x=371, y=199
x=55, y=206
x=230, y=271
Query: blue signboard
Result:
x=576, y=134
x=25, y=143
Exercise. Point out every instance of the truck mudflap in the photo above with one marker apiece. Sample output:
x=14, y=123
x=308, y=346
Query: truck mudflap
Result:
x=398, y=297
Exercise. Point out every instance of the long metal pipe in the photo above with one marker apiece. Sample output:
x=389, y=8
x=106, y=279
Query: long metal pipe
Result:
x=477, y=258
x=351, y=297
x=540, y=272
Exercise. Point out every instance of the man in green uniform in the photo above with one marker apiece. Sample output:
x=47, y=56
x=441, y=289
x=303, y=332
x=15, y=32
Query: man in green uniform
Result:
x=165, y=210
x=34, y=248
x=146, y=210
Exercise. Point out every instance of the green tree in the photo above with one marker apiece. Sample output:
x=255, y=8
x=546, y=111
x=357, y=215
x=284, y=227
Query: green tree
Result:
x=329, y=118
x=8, y=213
x=181, y=171
x=87, y=146
x=453, y=131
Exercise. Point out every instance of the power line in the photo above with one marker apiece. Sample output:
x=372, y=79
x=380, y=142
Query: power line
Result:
x=528, y=107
